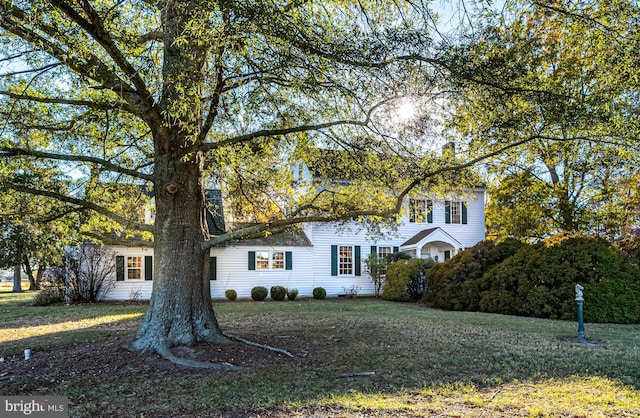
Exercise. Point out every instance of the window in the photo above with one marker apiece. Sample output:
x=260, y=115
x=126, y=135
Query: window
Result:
x=420, y=211
x=270, y=260
x=134, y=268
x=383, y=252
x=455, y=212
x=277, y=260
x=345, y=261
x=262, y=260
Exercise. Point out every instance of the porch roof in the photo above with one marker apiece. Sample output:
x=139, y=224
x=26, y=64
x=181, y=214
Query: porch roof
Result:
x=426, y=236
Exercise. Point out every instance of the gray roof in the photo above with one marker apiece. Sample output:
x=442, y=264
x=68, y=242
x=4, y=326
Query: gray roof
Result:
x=418, y=237
x=289, y=238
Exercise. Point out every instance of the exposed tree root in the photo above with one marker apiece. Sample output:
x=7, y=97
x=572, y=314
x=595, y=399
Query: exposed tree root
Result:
x=166, y=353
x=264, y=346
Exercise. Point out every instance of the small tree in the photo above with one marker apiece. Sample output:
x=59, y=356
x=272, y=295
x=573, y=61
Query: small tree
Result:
x=377, y=268
x=89, y=278
x=405, y=279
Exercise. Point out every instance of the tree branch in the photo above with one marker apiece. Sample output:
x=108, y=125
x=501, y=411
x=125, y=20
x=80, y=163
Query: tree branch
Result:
x=286, y=131
x=17, y=22
x=12, y=152
x=95, y=28
x=63, y=101
x=126, y=242
x=78, y=202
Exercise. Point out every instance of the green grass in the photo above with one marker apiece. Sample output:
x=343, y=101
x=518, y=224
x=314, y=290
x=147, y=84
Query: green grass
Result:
x=426, y=362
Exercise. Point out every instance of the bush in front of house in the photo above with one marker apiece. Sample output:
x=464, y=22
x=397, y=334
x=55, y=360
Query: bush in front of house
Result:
x=319, y=293
x=278, y=293
x=405, y=280
x=48, y=296
x=292, y=294
x=542, y=277
x=231, y=294
x=259, y=293
x=539, y=281
x=452, y=285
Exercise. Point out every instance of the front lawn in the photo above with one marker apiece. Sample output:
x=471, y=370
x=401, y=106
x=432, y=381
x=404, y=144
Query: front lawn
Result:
x=352, y=358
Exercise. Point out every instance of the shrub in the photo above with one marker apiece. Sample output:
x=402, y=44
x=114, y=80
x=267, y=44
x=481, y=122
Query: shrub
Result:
x=405, y=280
x=292, y=294
x=453, y=284
x=351, y=292
x=376, y=267
x=278, y=292
x=539, y=280
x=319, y=293
x=91, y=269
x=231, y=294
x=48, y=296
x=259, y=293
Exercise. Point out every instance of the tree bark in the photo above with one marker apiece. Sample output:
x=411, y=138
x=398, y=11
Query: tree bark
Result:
x=17, y=278
x=29, y=271
x=180, y=310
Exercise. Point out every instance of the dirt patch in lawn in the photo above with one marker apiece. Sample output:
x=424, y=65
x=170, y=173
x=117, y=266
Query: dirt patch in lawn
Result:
x=111, y=359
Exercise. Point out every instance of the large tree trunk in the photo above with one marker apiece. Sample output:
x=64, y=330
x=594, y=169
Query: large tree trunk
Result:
x=180, y=310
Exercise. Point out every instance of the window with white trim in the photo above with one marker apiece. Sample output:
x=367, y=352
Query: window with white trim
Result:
x=420, y=211
x=134, y=268
x=455, y=212
x=270, y=260
x=383, y=252
x=345, y=260
x=262, y=260
x=277, y=260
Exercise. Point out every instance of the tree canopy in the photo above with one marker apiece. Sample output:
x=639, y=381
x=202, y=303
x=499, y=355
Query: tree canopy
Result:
x=571, y=93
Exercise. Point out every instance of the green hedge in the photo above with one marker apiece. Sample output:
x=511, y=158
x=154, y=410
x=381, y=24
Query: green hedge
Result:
x=454, y=284
x=539, y=280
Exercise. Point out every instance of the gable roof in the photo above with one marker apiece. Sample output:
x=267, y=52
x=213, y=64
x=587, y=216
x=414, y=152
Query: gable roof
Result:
x=430, y=235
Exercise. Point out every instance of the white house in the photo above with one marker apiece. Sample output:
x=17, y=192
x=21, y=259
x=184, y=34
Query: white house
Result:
x=328, y=255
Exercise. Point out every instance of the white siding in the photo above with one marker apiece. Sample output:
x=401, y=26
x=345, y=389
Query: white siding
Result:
x=130, y=289
x=233, y=271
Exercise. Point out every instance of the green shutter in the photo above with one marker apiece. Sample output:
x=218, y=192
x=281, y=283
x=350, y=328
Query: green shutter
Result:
x=429, y=211
x=120, y=268
x=334, y=260
x=396, y=249
x=148, y=267
x=447, y=212
x=374, y=249
x=213, y=268
x=464, y=212
x=252, y=260
x=357, y=260
x=447, y=254
x=288, y=260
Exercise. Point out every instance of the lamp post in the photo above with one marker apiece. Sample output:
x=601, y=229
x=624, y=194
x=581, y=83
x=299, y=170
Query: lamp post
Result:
x=579, y=301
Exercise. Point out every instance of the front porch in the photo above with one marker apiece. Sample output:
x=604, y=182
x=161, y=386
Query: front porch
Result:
x=434, y=243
